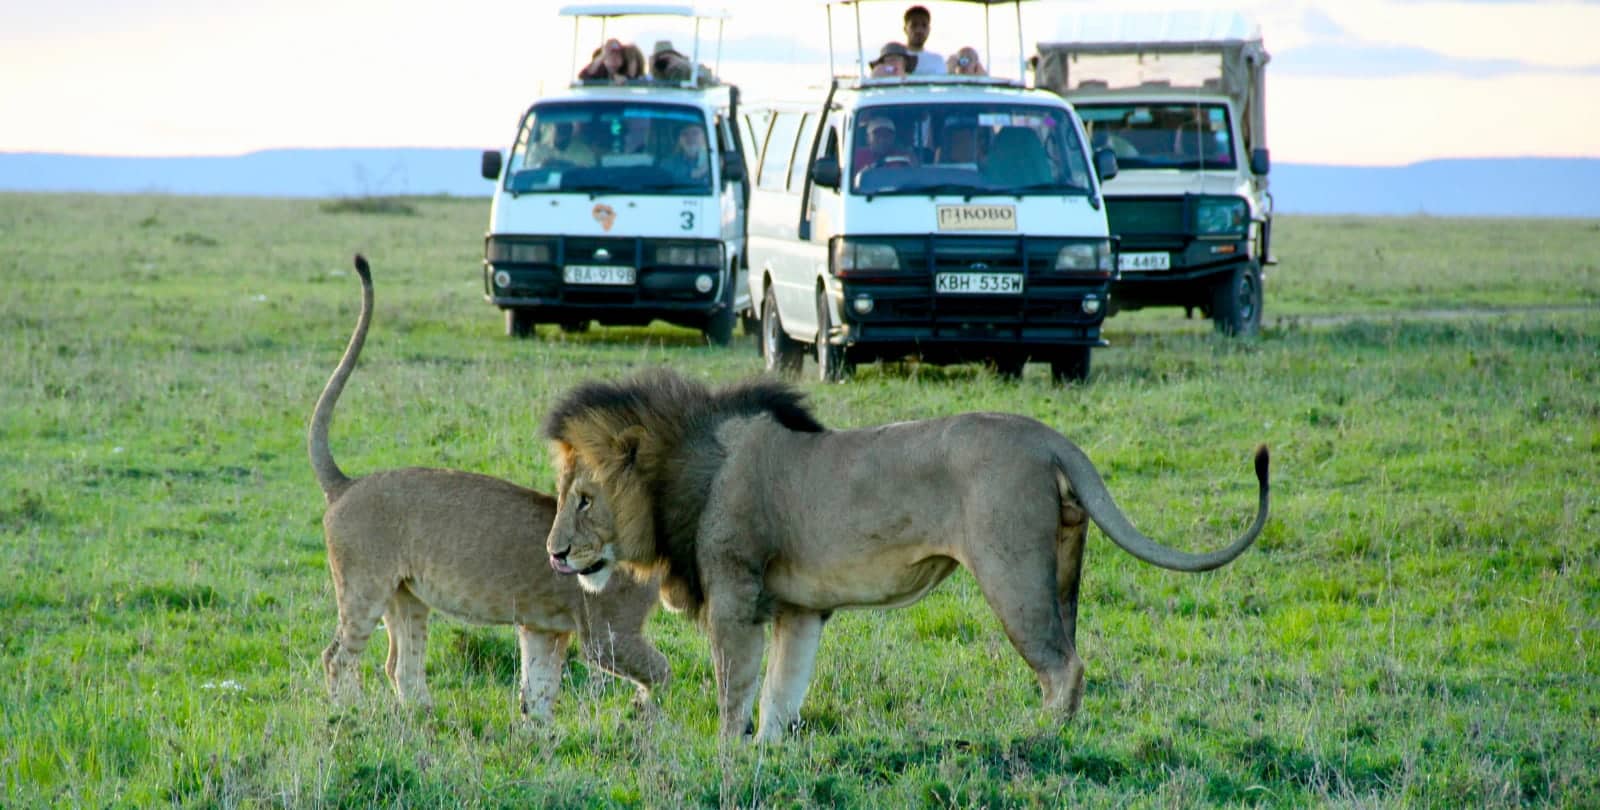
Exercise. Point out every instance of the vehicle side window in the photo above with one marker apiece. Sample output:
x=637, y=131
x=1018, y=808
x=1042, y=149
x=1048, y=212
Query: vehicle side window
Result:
x=756, y=125
x=779, y=148
x=802, y=153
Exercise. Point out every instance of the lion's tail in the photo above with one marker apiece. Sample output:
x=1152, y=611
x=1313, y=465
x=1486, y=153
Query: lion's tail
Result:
x=329, y=476
x=1075, y=475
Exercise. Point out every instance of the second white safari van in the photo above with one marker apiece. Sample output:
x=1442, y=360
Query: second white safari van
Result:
x=955, y=218
x=622, y=202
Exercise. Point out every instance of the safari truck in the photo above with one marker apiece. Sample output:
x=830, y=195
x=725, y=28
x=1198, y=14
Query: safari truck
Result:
x=1181, y=103
x=952, y=217
x=622, y=201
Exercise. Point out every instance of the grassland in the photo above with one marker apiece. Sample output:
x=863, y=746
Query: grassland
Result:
x=1418, y=626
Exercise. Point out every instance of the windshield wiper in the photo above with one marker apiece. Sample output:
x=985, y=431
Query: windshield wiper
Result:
x=597, y=188
x=934, y=189
x=680, y=185
x=1062, y=188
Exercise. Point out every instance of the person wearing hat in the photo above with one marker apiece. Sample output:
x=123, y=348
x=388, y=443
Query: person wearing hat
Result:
x=882, y=148
x=614, y=61
x=893, y=60
x=668, y=65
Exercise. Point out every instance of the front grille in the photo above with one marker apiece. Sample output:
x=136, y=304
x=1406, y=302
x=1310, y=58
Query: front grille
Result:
x=1137, y=216
x=581, y=250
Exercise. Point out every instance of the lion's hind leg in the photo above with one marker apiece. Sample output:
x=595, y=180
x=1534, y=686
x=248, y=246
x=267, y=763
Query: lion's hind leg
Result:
x=406, y=619
x=1021, y=589
x=544, y=654
x=1070, y=537
x=360, y=606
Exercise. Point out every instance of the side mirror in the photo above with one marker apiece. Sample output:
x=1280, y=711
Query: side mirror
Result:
x=491, y=164
x=1260, y=161
x=825, y=173
x=1105, y=164
x=732, y=168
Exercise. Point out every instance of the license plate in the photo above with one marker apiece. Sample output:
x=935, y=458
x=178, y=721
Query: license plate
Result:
x=1144, y=261
x=597, y=274
x=979, y=283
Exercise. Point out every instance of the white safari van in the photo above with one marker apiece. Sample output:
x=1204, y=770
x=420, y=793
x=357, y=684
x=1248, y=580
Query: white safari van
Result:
x=956, y=218
x=622, y=203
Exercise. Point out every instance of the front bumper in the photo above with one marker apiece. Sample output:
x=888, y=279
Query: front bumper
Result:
x=666, y=292
x=907, y=315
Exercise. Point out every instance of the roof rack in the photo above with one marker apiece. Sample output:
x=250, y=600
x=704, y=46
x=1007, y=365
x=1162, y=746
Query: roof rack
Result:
x=605, y=12
x=862, y=77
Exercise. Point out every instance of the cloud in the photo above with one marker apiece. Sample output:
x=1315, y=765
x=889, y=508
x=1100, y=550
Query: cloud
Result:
x=1363, y=60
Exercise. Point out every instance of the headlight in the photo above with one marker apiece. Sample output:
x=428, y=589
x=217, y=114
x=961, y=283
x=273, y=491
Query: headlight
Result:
x=502, y=251
x=858, y=256
x=1221, y=216
x=1085, y=256
x=690, y=255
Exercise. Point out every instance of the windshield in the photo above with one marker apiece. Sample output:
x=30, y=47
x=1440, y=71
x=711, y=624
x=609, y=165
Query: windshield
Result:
x=611, y=146
x=966, y=149
x=1161, y=136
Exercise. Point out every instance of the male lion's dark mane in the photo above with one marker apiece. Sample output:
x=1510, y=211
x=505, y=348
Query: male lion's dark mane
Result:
x=680, y=416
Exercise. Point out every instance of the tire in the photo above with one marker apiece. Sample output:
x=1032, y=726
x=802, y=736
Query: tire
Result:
x=1236, y=302
x=519, y=323
x=574, y=327
x=1071, y=365
x=832, y=367
x=780, y=353
x=719, y=329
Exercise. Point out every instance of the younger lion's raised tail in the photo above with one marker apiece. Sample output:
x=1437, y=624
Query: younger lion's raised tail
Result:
x=1076, y=476
x=329, y=476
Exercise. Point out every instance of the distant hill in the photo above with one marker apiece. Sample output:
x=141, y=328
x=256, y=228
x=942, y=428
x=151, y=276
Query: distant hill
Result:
x=1536, y=187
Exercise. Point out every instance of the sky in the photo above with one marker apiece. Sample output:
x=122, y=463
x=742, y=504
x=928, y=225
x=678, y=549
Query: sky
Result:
x=1351, y=82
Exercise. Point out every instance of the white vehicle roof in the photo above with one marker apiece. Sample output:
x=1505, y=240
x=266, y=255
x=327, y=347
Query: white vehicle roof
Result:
x=1129, y=29
x=713, y=96
x=643, y=10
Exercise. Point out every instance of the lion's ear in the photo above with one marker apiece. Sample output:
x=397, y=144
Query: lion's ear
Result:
x=628, y=444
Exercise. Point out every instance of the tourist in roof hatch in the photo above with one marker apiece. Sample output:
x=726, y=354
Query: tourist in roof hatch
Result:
x=917, y=24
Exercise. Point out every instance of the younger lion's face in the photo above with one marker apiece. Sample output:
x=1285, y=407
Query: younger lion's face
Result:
x=583, y=537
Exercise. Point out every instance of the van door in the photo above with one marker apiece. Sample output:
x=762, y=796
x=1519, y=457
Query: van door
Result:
x=775, y=215
x=734, y=196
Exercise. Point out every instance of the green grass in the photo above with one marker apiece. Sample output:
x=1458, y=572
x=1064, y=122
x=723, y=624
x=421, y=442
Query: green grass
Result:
x=1417, y=626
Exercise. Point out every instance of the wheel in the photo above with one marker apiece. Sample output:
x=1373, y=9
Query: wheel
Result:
x=780, y=352
x=574, y=327
x=719, y=329
x=832, y=366
x=519, y=323
x=1236, y=302
x=1071, y=366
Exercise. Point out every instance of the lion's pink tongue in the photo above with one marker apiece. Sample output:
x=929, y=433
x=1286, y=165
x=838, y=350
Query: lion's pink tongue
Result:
x=561, y=566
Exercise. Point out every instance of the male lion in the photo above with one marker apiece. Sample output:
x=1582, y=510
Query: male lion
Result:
x=751, y=512
x=403, y=541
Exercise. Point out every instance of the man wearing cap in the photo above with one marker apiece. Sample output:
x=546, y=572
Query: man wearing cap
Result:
x=917, y=24
x=882, y=149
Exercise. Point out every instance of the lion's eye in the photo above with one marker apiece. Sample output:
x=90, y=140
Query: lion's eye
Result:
x=584, y=503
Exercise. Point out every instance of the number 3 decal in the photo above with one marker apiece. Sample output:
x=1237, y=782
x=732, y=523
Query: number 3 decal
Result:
x=688, y=220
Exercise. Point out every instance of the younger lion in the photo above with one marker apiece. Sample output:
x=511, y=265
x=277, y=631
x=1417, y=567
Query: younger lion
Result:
x=752, y=513
x=403, y=541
